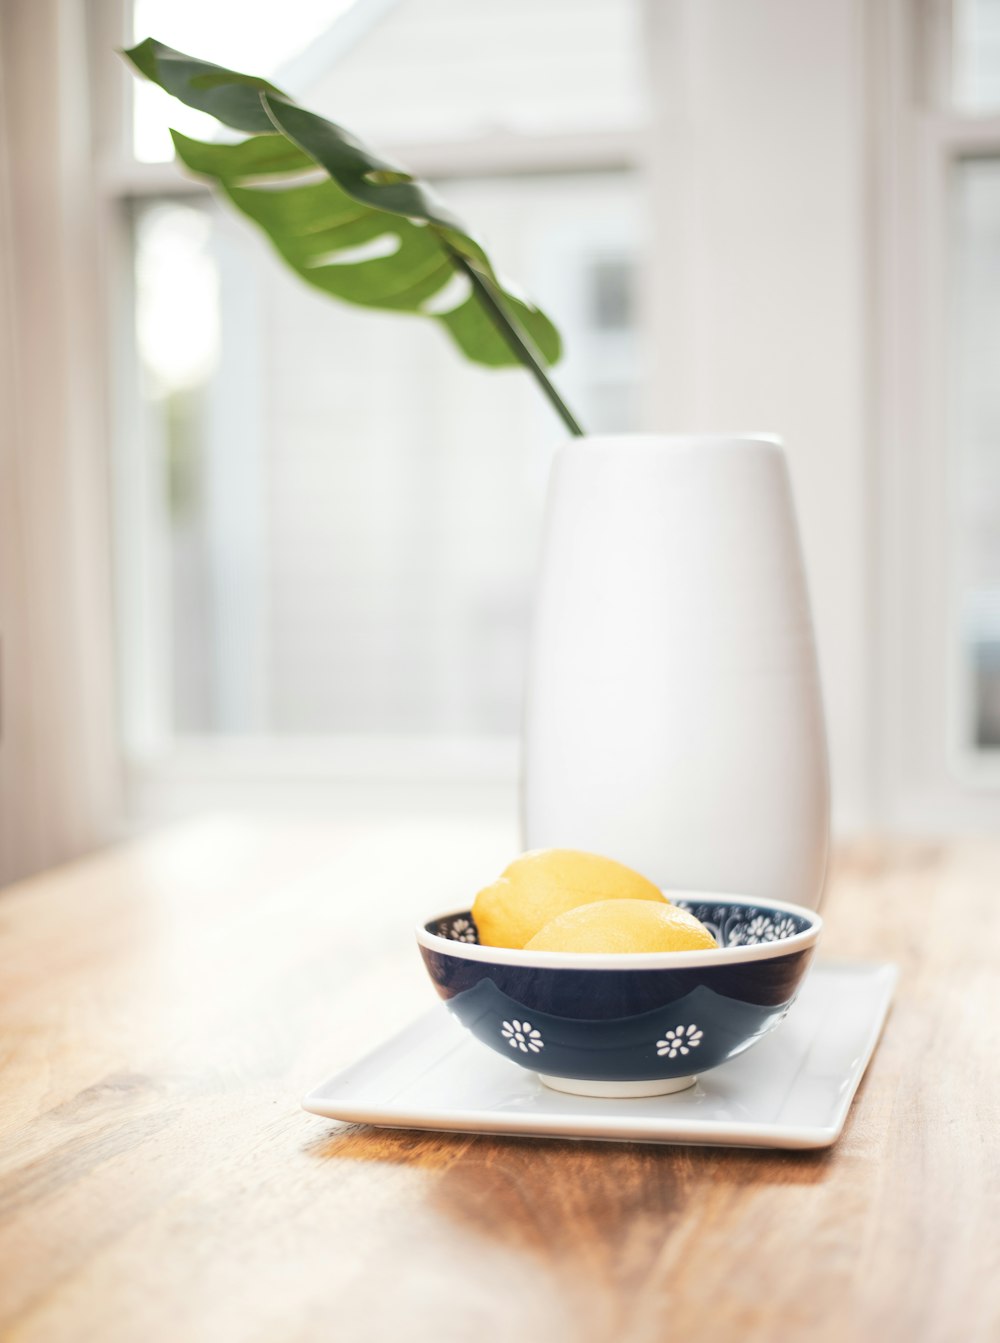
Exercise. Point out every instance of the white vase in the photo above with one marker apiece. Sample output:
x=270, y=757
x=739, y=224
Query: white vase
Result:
x=673, y=717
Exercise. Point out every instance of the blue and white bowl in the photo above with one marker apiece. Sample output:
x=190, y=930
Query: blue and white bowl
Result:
x=628, y=1025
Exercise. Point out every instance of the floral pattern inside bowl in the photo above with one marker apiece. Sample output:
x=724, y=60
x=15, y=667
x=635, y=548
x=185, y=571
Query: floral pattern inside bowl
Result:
x=732, y=925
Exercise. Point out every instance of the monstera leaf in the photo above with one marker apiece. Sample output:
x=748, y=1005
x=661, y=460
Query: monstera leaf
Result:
x=366, y=232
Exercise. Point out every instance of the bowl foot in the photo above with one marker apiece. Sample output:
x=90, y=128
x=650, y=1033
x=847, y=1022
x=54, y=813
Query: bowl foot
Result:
x=618, y=1090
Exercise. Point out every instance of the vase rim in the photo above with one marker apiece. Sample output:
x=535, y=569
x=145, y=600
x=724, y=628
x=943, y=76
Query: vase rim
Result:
x=680, y=442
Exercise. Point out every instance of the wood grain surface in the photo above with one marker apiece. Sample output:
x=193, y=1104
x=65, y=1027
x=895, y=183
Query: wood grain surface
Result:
x=164, y=1005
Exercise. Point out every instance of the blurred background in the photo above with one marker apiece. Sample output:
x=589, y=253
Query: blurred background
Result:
x=257, y=549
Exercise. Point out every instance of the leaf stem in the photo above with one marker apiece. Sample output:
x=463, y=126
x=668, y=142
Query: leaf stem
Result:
x=518, y=340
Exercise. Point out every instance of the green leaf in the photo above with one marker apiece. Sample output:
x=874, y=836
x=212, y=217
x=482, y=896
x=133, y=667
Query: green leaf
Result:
x=366, y=233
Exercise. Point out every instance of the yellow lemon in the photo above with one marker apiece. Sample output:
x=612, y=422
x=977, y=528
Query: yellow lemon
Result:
x=539, y=885
x=623, y=925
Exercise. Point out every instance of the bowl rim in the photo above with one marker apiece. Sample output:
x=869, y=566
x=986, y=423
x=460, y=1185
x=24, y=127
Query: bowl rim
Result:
x=636, y=960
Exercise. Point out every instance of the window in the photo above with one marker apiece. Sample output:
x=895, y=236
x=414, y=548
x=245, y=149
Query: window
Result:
x=328, y=520
x=969, y=181
x=975, y=55
x=938, y=510
x=975, y=228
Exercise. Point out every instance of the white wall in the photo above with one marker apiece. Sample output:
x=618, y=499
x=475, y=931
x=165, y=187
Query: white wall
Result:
x=759, y=293
x=58, y=775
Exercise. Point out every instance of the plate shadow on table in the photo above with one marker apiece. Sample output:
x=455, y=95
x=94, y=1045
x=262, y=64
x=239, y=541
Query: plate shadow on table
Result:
x=594, y=1232
x=568, y=1157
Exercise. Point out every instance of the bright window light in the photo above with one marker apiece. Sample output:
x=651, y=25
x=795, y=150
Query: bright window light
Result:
x=252, y=35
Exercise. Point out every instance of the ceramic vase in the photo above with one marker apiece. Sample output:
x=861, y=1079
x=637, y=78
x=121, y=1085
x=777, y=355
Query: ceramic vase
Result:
x=673, y=716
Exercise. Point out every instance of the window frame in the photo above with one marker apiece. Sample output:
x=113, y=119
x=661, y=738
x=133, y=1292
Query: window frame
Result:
x=925, y=779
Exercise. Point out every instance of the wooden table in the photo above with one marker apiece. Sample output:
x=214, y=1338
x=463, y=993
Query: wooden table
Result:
x=164, y=1005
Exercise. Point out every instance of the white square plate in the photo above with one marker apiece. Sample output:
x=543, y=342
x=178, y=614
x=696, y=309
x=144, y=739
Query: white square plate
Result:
x=793, y=1089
